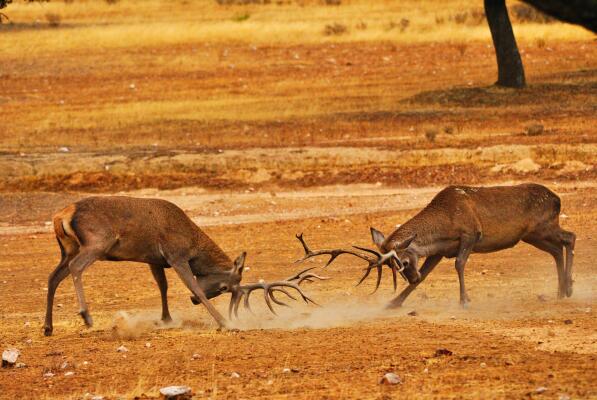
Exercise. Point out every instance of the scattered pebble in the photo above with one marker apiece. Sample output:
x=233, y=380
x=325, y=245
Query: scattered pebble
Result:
x=69, y=373
x=541, y=389
x=48, y=375
x=426, y=371
x=568, y=321
x=195, y=356
x=563, y=397
x=413, y=313
x=483, y=365
x=9, y=357
x=235, y=375
x=63, y=149
x=442, y=352
x=64, y=365
x=390, y=379
x=542, y=298
x=97, y=397
x=286, y=370
x=148, y=345
x=176, y=392
x=20, y=365
x=122, y=349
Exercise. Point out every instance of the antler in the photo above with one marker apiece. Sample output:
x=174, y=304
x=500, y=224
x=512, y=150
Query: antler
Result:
x=378, y=262
x=293, y=282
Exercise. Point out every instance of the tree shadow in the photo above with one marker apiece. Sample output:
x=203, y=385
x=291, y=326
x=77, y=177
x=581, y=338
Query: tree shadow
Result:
x=584, y=84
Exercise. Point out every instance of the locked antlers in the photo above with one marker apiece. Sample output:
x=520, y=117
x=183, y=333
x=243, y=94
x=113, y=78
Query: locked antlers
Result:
x=389, y=259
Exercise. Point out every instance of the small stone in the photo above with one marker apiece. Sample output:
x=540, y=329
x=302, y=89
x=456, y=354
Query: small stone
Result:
x=426, y=371
x=563, y=397
x=452, y=317
x=235, y=375
x=270, y=382
x=195, y=356
x=97, y=397
x=541, y=389
x=483, y=365
x=64, y=365
x=122, y=349
x=568, y=321
x=69, y=373
x=29, y=341
x=63, y=149
x=20, y=365
x=442, y=352
x=390, y=379
x=9, y=357
x=542, y=298
x=48, y=375
x=286, y=370
x=148, y=345
x=413, y=313
x=176, y=393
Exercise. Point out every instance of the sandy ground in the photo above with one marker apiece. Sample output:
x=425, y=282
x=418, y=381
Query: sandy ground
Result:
x=513, y=339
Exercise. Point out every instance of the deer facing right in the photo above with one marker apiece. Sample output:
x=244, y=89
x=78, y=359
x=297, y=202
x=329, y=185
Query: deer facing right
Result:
x=461, y=220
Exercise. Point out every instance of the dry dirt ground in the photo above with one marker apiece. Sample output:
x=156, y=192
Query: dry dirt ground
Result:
x=514, y=338
x=260, y=125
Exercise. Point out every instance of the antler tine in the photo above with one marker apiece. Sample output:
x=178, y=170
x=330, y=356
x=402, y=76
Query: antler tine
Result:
x=333, y=253
x=299, y=277
x=268, y=295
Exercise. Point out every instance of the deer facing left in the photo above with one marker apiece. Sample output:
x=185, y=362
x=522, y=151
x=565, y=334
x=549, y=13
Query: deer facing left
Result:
x=151, y=231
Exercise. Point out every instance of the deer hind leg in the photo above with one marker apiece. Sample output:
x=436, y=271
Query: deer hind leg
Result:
x=553, y=247
x=466, y=247
x=428, y=266
x=568, y=239
x=56, y=276
x=160, y=278
x=77, y=266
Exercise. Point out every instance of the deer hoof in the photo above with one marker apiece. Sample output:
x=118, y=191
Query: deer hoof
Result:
x=48, y=330
x=86, y=318
x=167, y=319
x=569, y=291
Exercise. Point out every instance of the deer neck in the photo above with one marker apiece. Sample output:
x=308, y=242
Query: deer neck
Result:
x=210, y=258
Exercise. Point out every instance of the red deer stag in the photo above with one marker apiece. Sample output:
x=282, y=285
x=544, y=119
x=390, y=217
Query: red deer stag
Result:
x=156, y=232
x=461, y=220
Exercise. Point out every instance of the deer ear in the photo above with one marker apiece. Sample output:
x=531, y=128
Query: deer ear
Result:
x=405, y=243
x=377, y=236
x=239, y=263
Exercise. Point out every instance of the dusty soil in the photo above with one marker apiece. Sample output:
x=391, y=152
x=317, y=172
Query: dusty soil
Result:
x=513, y=339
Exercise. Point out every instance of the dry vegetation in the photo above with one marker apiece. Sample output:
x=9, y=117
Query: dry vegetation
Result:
x=261, y=116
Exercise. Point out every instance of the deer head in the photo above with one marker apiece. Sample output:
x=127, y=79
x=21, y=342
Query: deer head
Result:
x=403, y=255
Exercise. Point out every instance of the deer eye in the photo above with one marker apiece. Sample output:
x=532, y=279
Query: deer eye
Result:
x=223, y=288
x=405, y=263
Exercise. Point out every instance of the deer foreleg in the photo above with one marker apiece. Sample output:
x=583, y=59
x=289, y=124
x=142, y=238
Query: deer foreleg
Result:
x=428, y=266
x=183, y=269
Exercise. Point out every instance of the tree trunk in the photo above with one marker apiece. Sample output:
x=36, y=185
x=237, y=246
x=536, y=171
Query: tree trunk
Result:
x=510, y=69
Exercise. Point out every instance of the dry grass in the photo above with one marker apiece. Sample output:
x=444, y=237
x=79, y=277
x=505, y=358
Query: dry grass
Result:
x=203, y=74
x=157, y=23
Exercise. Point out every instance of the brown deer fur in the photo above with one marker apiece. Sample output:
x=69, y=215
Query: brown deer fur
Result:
x=461, y=220
x=150, y=231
